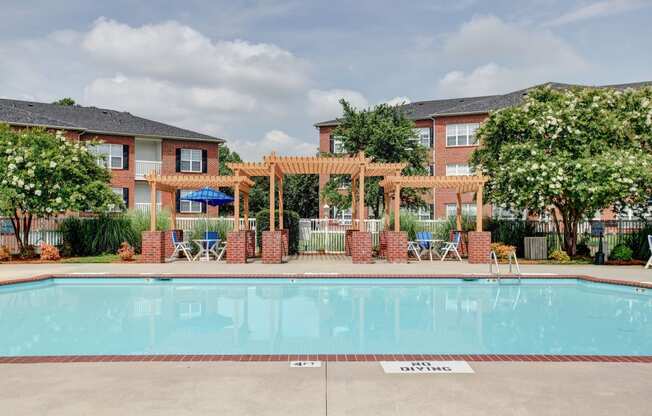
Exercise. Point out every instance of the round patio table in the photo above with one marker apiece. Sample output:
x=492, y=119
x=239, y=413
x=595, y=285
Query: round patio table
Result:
x=205, y=248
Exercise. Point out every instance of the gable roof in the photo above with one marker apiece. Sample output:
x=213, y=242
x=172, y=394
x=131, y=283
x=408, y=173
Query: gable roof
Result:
x=91, y=120
x=481, y=105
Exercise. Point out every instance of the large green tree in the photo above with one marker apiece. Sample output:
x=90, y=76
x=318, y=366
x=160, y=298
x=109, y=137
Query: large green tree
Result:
x=384, y=134
x=44, y=174
x=569, y=152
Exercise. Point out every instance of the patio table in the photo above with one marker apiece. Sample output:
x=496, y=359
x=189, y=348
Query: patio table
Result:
x=206, y=247
x=433, y=244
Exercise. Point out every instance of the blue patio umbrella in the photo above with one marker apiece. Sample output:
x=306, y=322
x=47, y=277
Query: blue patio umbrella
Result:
x=209, y=196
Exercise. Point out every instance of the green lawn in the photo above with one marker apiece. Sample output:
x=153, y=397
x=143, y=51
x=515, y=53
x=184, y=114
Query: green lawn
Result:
x=102, y=258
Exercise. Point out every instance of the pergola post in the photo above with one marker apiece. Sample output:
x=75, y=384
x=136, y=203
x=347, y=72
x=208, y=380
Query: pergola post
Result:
x=478, y=214
x=152, y=207
x=272, y=192
x=397, y=208
x=236, y=208
x=386, y=203
x=354, y=210
x=280, y=202
x=458, y=211
x=246, y=210
x=361, y=197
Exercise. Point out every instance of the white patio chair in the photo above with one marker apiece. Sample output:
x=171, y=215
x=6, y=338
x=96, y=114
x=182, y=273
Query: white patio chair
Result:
x=220, y=250
x=181, y=247
x=413, y=247
x=452, y=246
x=649, y=243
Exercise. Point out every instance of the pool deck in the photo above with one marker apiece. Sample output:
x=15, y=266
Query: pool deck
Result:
x=337, y=388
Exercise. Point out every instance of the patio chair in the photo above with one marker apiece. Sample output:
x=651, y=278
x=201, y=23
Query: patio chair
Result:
x=424, y=240
x=220, y=249
x=452, y=246
x=181, y=247
x=212, y=242
x=649, y=243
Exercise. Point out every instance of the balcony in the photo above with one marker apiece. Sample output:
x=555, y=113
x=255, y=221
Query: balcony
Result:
x=143, y=167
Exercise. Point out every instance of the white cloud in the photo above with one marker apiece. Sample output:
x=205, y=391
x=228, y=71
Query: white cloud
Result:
x=324, y=104
x=398, y=101
x=497, y=57
x=274, y=141
x=598, y=9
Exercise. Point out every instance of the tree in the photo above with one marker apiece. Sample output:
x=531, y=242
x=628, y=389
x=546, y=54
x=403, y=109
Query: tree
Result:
x=384, y=134
x=570, y=152
x=44, y=174
x=65, y=101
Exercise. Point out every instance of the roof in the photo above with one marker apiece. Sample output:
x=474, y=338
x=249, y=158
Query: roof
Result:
x=482, y=105
x=91, y=120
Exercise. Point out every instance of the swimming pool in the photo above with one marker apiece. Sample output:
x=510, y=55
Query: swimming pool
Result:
x=146, y=316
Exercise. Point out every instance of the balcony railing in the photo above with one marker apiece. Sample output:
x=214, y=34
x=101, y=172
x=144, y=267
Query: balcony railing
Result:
x=143, y=167
x=146, y=206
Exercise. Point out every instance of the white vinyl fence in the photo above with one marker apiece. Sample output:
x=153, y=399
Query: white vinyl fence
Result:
x=42, y=231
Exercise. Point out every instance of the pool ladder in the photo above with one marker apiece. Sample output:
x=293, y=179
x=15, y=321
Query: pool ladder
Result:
x=514, y=268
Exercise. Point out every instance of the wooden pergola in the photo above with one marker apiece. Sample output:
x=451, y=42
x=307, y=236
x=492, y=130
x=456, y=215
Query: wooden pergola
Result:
x=170, y=183
x=275, y=167
x=461, y=184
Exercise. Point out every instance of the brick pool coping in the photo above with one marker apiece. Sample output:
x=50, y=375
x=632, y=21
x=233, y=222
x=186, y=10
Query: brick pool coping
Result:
x=323, y=357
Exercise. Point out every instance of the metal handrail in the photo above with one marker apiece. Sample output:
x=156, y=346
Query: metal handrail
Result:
x=493, y=257
x=493, y=260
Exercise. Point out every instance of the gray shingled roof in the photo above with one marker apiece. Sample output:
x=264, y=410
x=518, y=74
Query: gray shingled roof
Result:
x=480, y=105
x=92, y=120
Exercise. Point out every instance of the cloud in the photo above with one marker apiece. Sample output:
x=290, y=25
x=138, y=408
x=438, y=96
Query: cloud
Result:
x=596, y=10
x=398, y=101
x=324, y=104
x=496, y=57
x=274, y=141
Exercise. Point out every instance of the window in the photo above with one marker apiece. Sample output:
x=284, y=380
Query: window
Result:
x=431, y=168
x=423, y=136
x=109, y=155
x=337, y=147
x=191, y=160
x=458, y=169
x=123, y=193
x=189, y=206
x=424, y=214
x=461, y=134
x=502, y=213
x=468, y=210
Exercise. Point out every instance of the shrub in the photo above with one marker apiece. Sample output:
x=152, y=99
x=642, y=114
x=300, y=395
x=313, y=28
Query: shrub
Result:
x=444, y=232
x=139, y=221
x=126, y=252
x=4, y=253
x=290, y=222
x=511, y=232
x=49, y=252
x=408, y=223
x=198, y=232
x=95, y=236
x=560, y=256
x=621, y=252
x=502, y=250
x=638, y=243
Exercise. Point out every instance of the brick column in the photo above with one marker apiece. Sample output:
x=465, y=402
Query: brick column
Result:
x=347, y=241
x=251, y=243
x=272, y=247
x=236, y=247
x=286, y=241
x=153, y=250
x=361, y=247
x=168, y=247
x=479, y=247
x=396, y=251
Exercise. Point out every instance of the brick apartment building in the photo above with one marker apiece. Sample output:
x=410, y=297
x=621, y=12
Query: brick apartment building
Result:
x=447, y=128
x=132, y=146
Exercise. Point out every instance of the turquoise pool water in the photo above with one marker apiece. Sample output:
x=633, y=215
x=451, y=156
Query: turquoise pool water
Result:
x=281, y=316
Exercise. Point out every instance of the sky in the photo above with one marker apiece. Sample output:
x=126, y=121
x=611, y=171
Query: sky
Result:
x=260, y=73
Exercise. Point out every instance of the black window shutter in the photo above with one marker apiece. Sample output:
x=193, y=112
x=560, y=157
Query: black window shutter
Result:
x=331, y=144
x=178, y=163
x=432, y=137
x=125, y=156
x=177, y=202
x=125, y=196
x=203, y=207
x=204, y=161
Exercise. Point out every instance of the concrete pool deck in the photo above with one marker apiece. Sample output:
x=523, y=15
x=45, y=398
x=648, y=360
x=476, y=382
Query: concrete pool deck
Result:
x=335, y=389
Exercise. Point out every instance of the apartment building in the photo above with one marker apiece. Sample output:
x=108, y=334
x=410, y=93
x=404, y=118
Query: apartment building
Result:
x=447, y=128
x=132, y=147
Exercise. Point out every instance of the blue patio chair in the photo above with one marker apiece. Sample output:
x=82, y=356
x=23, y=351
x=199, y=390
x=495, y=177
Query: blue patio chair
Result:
x=452, y=246
x=649, y=243
x=181, y=247
x=424, y=240
x=212, y=241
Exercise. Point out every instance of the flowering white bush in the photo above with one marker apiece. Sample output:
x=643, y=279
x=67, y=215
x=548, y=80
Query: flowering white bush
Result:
x=571, y=152
x=43, y=174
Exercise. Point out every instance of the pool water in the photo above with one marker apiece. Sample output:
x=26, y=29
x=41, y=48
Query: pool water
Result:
x=325, y=316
